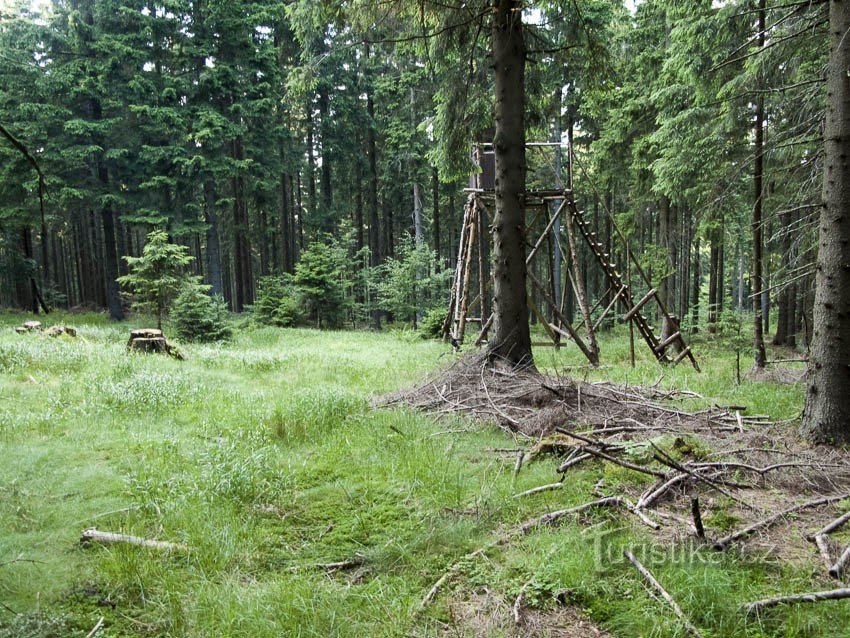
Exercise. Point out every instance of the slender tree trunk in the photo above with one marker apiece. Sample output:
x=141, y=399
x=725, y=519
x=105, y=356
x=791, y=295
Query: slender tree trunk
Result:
x=695, y=287
x=511, y=338
x=285, y=227
x=375, y=256
x=213, y=243
x=113, y=298
x=664, y=291
x=435, y=203
x=311, y=170
x=326, y=223
x=110, y=251
x=758, y=283
x=826, y=417
x=358, y=199
x=264, y=243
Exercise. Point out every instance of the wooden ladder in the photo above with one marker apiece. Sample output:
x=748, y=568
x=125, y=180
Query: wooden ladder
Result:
x=633, y=308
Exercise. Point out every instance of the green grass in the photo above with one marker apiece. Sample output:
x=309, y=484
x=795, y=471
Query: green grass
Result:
x=265, y=459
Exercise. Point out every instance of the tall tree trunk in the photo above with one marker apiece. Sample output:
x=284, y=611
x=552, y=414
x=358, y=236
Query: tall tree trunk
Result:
x=372, y=194
x=758, y=283
x=241, y=246
x=358, y=198
x=664, y=215
x=435, y=203
x=23, y=291
x=213, y=242
x=713, y=261
x=110, y=253
x=511, y=339
x=285, y=227
x=311, y=170
x=826, y=417
x=695, y=288
x=326, y=216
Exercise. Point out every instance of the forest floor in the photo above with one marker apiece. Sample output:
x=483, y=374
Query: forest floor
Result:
x=308, y=499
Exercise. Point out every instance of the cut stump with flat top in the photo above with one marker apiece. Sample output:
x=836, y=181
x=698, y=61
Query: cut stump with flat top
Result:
x=150, y=340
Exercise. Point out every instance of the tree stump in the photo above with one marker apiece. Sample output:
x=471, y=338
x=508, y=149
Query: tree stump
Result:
x=149, y=340
x=58, y=331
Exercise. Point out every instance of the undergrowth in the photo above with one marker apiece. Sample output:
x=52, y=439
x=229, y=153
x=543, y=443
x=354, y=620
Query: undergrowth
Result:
x=263, y=457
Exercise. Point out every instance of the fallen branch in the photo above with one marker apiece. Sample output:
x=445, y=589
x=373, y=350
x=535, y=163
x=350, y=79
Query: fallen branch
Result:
x=563, y=467
x=822, y=543
x=667, y=597
x=551, y=517
x=697, y=516
x=626, y=464
x=836, y=570
x=724, y=542
x=812, y=597
x=93, y=535
x=656, y=491
x=523, y=528
x=542, y=488
x=832, y=526
x=520, y=456
x=96, y=628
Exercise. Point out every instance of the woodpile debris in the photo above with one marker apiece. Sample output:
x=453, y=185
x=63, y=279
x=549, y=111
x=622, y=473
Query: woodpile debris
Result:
x=748, y=477
x=53, y=331
x=151, y=340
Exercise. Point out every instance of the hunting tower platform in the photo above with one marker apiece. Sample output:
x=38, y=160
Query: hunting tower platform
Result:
x=554, y=273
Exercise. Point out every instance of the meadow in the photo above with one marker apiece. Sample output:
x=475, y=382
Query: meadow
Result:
x=264, y=458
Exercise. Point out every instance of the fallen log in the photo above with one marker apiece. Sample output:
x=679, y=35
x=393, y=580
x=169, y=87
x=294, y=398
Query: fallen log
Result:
x=793, y=599
x=93, y=535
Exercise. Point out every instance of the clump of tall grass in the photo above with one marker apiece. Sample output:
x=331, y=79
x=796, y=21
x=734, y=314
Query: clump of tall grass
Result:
x=310, y=414
x=148, y=390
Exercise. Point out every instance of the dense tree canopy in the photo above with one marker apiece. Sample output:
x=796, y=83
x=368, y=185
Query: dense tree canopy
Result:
x=248, y=131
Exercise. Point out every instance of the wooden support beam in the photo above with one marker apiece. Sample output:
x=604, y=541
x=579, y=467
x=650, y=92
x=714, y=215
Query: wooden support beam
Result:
x=610, y=306
x=684, y=353
x=634, y=310
x=536, y=310
x=544, y=234
x=661, y=347
x=484, y=329
x=564, y=323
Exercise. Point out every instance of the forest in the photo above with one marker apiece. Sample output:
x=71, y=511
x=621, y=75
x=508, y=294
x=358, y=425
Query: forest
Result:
x=250, y=132
x=637, y=207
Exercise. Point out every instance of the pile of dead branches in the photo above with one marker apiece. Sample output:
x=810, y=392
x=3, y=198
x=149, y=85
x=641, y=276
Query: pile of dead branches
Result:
x=719, y=459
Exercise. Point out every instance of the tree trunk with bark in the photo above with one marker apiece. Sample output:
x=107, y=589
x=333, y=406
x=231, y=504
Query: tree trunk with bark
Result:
x=826, y=417
x=511, y=339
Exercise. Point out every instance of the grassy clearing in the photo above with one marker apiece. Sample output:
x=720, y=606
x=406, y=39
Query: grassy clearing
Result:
x=264, y=458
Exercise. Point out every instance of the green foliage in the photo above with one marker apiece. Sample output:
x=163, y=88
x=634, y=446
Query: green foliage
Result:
x=199, y=317
x=278, y=302
x=155, y=278
x=320, y=279
x=431, y=325
x=411, y=283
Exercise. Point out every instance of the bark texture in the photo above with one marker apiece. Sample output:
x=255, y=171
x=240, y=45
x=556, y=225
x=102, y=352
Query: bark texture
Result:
x=826, y=417
x=511, y=340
